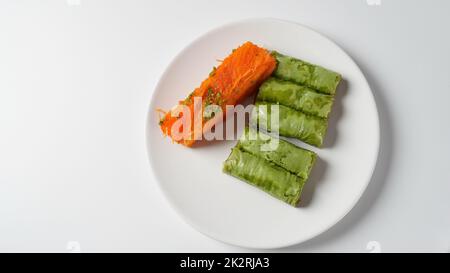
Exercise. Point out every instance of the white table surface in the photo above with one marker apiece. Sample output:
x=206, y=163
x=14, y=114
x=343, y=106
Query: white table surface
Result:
x=76, y=78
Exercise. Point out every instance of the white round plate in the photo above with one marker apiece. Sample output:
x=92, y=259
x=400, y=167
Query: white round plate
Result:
x=232, y=211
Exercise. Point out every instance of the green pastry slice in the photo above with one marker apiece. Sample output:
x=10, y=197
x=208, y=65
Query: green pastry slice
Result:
x=277, y=151
x=266, y=176
x=290, y=122
x=296, y=96
x=304, y=73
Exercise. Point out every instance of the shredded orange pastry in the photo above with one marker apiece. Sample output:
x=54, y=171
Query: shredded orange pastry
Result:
x=237, y=77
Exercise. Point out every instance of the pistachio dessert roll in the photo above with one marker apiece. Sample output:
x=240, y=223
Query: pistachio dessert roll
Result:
x=294, y=159
x=298, y=97
x=301, y=72
x=265, y=175
x=290, y=123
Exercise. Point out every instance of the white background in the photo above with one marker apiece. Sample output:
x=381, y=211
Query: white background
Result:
x=76, y=78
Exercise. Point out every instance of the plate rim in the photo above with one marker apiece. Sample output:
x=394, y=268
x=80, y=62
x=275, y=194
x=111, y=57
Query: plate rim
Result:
x=151, y=106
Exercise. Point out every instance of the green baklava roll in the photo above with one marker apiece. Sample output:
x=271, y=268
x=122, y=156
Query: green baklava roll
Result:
x=296, y=96
x=290, y=123
x=266, y=176
x=277, y=151
x=304, y=73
